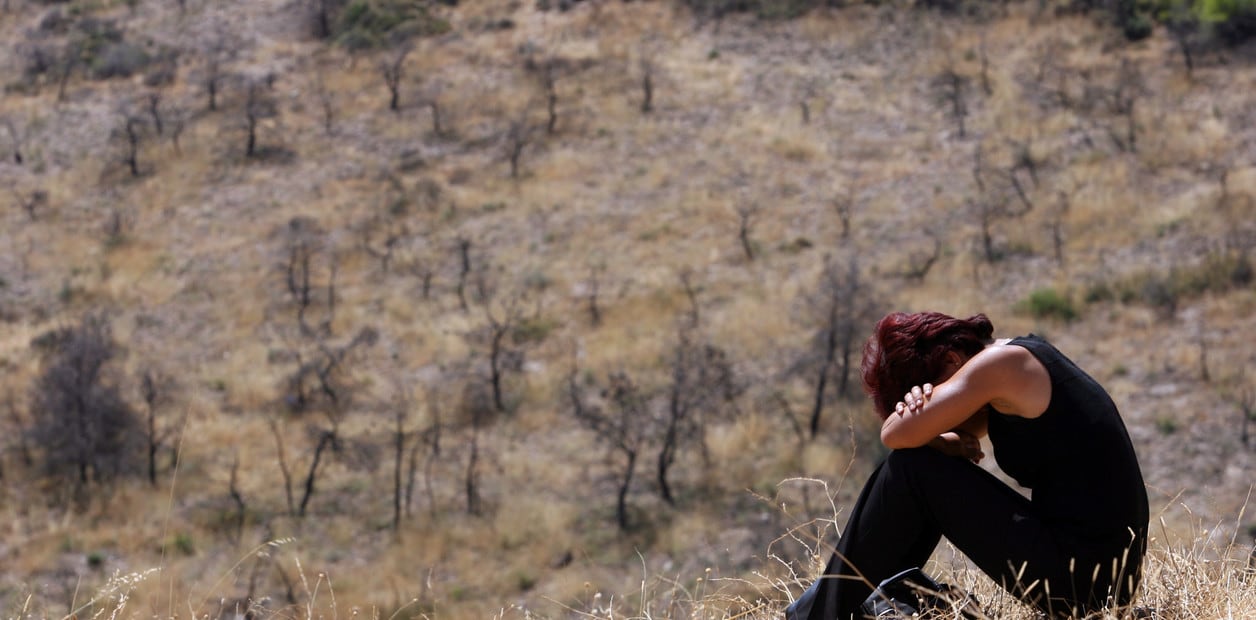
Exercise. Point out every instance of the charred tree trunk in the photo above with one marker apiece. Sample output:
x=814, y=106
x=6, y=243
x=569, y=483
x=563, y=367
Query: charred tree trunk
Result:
x=325, y=441
x=621, y=501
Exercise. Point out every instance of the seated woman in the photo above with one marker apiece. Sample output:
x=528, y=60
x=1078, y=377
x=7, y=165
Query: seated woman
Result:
x=940, y=383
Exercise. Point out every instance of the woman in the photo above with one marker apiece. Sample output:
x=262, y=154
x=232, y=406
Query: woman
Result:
x=941, y=383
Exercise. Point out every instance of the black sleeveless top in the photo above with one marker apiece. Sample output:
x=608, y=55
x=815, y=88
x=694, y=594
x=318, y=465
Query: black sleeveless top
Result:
x=1076, y=457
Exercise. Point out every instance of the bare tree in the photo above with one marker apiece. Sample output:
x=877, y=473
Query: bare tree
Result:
x=547, y=70
x=1183, y=26
x=392, y=70
x=1126, y=92
x=702, y=381
x=499, y=338
x=519, y=136
x=648, y=69
x=809, y=90
x=31, y=202
x=154, y=112
x=1057, y=227
x=326, y=101
x=17, y=139
x=309, y=274
x=281, y=455
x=87, y=431
x=691, y=289
x=323, y=14
x=131, y=129
x=464, y=270
x=70, y=58
x=747, y=212
x=155, y=390
x=985, y=66
x=593, y=287
x=326, y=439
x=177, y=118
x=259, y=105
x=214, y=53
x=429, y=440
x=620, y=420
x=430, y=97
x=996, y=196
x=1245, y=399
x=844, y=205
x=952, y=91
x=844, y=307
x=381, y=237
x=402, y=404
x=233, y=490
x=920, y=262
x=322, y=382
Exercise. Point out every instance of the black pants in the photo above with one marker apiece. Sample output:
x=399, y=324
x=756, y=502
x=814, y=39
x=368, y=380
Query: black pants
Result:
x=917, y=496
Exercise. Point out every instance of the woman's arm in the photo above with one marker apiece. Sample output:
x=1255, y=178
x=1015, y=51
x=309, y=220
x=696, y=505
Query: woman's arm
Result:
x=1007, y=377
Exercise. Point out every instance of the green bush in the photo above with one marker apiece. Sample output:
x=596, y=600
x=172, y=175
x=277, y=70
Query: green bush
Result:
x=1230, y=22
x=1048, y=303
x=1238, y=27
x=1137, y=27
x=369, y=24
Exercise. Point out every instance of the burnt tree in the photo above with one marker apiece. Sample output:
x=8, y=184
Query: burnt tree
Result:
x=31, y=202
x=392, y=69
x=131, y=132
x=156, y=391
x=952, y=92
x=1123, y=102
x=323, y=383
x=619, y=418
x=17, y=139
x=464, y=270
x=259, y=105
x=844, y=307
x=88, y=433
x=593, y=286
x=747, y=213
x=310, y=275
x=702, y=382
x=519, y=135
x=648, y=71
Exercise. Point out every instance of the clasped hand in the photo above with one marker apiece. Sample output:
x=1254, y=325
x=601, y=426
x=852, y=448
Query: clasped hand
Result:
x=954, y=443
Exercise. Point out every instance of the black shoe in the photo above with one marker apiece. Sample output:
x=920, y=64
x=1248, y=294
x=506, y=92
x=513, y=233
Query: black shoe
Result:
x=912, y=593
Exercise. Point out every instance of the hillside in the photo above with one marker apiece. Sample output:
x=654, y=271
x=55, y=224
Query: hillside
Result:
x=602, y=208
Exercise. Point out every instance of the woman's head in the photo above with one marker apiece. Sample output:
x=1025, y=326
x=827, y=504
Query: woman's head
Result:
x=911, y=349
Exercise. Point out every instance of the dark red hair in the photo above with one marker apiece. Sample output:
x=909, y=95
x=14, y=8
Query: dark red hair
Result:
x=907, y=350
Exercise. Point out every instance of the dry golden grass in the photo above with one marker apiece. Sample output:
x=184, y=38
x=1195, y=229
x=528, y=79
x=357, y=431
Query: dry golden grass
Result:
x=195, y=284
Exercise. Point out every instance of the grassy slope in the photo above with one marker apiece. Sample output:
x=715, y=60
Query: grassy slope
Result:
x=195, y=284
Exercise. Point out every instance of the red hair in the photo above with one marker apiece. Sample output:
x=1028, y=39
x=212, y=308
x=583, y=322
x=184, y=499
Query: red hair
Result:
x=907, y=350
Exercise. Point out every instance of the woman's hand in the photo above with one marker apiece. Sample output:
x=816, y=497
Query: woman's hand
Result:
x=959, y=443
x=914, y=401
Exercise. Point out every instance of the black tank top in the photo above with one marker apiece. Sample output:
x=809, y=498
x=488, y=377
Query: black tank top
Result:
x=1076, y=457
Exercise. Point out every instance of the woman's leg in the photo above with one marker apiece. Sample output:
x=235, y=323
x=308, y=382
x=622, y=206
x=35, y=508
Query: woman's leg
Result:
x=910, y=501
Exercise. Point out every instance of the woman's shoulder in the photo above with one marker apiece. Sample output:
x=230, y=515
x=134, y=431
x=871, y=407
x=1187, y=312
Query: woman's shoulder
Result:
x=1024, y=381
x=1007, y=351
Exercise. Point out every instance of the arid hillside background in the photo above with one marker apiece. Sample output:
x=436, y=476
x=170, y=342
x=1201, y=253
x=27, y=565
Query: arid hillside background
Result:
x=317, y=308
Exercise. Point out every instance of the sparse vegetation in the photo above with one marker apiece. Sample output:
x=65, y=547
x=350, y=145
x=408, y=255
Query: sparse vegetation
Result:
x=585, y=296
x=1049, y=303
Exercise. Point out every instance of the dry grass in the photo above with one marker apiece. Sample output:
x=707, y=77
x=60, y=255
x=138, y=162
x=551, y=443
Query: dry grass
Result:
x=194, y=281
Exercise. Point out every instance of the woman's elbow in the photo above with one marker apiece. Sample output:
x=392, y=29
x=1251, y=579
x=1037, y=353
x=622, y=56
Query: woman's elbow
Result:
x=900, y=438
x=893, y=440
